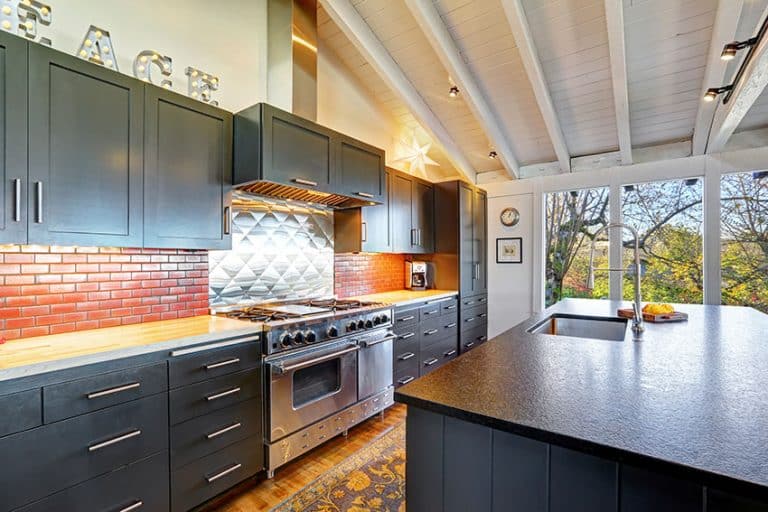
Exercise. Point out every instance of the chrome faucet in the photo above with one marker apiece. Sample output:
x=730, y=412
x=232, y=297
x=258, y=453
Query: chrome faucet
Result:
x=637, y=307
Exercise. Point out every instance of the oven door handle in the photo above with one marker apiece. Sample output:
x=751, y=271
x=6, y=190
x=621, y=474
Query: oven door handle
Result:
x=281, y=367
x=388, y=337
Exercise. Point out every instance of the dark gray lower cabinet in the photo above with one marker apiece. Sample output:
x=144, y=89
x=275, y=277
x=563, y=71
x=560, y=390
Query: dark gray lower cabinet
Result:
x=455, y=465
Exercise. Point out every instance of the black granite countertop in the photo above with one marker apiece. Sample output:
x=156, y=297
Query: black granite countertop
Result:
x=691, y=396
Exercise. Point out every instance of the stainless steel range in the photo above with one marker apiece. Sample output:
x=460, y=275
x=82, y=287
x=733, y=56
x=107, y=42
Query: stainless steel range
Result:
x=329, y=367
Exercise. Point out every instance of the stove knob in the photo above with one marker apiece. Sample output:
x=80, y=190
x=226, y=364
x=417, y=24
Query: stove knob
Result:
x=352, y=326
x=286, y=340
x=384, y=318
x=368, y=324
x=376, y=320
x=310, y=336
x=299, y=337
x=333, y=331
x=360, y=324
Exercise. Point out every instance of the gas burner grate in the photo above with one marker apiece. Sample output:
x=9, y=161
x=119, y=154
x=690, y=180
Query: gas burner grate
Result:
x=256, y=314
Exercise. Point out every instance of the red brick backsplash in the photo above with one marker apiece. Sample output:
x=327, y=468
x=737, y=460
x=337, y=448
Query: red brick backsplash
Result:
x=361, y=274
x=49, y=290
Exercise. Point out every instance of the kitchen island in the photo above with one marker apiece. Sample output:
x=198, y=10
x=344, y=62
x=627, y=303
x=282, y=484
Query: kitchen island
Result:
x=535, y=422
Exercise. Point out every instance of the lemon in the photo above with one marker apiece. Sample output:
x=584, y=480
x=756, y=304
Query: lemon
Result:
x=658, y=309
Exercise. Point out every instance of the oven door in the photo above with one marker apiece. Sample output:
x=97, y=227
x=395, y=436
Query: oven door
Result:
x=309, y=385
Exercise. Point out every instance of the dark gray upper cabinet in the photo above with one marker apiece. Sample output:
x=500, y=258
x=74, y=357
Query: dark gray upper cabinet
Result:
x=85, y=152
x=367, y=229
x=423, y=216
x=466, y=220
x=13, y=139
x=480, y=247
x=412, y=212
x=277, y=146
x=188, y=162
x=360, y=170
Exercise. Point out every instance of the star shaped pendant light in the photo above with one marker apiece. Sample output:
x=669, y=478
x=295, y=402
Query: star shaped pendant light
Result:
x=417, y=158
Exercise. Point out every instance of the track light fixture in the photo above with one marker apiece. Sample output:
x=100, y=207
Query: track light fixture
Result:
x=493, y=155
x=714, y=92
x=453, y=91
x=730, y=50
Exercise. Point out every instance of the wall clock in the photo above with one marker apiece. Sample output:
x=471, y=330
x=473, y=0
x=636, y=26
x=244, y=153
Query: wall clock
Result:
x=509, y=216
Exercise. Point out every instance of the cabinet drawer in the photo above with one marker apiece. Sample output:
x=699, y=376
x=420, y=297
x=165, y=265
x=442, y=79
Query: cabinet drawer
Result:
x=201, y=436
x=438, y=329
x=474, y=317
x=429, y=311
x=212, y=395
x=408, y=316
x=141, y=486
x=404, y=377
x=205, y=478
x=27, y=411
x=438, y=354
x=473, y=337
x=53, y=457
x=471, y=302
x=449, y=306
x=206, y=363
x=407, y=331
x=407, y=361
x=90, y=394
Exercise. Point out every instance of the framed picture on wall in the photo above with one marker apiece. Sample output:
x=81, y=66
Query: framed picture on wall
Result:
x=509, y=250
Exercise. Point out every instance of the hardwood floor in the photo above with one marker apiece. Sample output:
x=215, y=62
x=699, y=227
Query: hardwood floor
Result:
x=297, y=474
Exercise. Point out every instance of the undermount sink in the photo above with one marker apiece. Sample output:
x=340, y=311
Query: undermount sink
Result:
x=578, y=326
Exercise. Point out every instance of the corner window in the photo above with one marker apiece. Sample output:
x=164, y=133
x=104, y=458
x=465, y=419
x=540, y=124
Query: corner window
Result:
x=571, y=221
x=744, y=239
x=668, y=217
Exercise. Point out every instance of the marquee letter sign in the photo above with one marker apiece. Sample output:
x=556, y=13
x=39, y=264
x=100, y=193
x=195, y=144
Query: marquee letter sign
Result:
x=148, y=58
x=202, y=84
x=97, y=48
x=22, y=17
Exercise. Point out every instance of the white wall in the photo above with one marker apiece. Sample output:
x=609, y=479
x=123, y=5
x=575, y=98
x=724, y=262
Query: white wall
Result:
x=513, y=294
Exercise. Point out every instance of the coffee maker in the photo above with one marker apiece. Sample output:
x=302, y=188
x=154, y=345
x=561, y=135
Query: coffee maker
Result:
x=416, y=275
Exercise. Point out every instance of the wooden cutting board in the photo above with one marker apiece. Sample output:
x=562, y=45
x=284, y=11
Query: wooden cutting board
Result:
x=677, y=316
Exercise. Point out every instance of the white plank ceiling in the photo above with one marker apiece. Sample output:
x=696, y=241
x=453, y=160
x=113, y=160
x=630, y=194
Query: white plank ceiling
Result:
x=667, y=50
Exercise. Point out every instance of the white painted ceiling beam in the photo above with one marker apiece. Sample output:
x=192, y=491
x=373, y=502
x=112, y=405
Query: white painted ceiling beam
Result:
x=346, y=17
x=522, y=33
x=729, y=115
x=723, y=32
x=442, y=42
x=614, y=16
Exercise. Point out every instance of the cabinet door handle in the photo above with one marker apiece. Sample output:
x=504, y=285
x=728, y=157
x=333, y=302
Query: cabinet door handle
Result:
x=406, y=356
x=114, y=440
x=112, y=391
x=221, y=474
x=477, y=270
x=38, y=202
x=405, y=380
x=224, y=430
x=17, y=200
x=364, y=229
x=407, y=335
x=301, y=181
x=450, y=353
x=430, y=332
x=222, y=394
x=470, y=344
x=419, y=232
x=227, y=220
x=430, y=362
x=413, y=237
x=451, y=325
x=228, y=362
x=364, y=194
x=136, y=505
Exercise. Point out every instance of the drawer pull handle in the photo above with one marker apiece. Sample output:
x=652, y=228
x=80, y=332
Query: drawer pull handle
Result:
x=406, y=356
x=406, y=318
x=430, y=332
x=483, y=315
x=223, y=394
x=471, y=319
x=405, y=380
x=482, y=300
x=450, y=353
x=482, y=338
x=114, y=440
x=136, y=505
x=450, y=307
x=407, y=335
x=451, y=325
x=470, y=344
x=302, y=181
x=427, y=313
x=228, y=362
x=224, y=430
x=364, y=194
x=320, y=438
x=430, y=362
x=112, y=391
x=469, y=303
x=222, y=474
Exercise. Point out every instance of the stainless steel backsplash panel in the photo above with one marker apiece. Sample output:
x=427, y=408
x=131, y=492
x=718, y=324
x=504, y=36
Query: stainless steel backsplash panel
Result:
x=280, y=250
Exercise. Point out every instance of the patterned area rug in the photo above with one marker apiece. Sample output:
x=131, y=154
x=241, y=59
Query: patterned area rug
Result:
x=372, y=480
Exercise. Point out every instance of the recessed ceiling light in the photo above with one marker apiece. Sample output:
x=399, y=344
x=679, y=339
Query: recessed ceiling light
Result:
x=453, y=91
x=493, y=154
